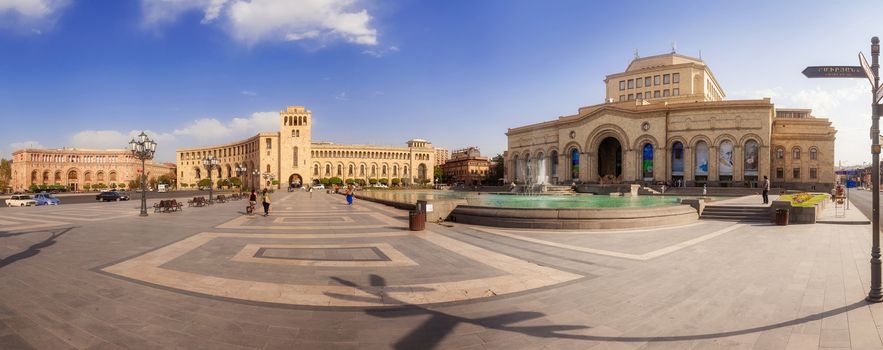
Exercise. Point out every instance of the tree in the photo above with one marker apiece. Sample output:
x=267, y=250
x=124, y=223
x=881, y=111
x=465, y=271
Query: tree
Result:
x=496, y=172
x=396, y=181
x=350, y=182
x=5, y=173
x=424, y=181
x=372, y=181
x=361, y=182
x=164, y=179
x=336, y=181
x=325, y=181
x=133, y=184
x=205, y=183
x=152, y=182
x=87, y=187
x=113, y=185
x=275, y=182
x=384, y=181
x=438, y=173
x=235, y=182
x=184, y=185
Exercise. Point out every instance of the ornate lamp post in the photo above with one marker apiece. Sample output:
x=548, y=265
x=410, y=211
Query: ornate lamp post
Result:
x=241, y=170
x=210, y=164
x=255, y=177
x=143, y=149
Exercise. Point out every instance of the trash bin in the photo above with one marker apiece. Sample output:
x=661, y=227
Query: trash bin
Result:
x=416, y=220
x=782, y=217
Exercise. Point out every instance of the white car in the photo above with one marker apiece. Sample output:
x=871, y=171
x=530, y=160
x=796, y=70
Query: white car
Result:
x=319, y=187
x=20, y=200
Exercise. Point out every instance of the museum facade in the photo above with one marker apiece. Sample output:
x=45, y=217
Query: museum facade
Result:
x=78, y=169
x=290, y=157
x=665, y=120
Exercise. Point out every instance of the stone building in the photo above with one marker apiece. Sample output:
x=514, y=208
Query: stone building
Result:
x=665, y=120
x=289, y=156
x=466, y=166
x=75, y=168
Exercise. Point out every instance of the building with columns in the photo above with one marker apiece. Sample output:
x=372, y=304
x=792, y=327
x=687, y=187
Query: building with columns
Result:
x=75, y=168
x=291, y=157
x=665, y=120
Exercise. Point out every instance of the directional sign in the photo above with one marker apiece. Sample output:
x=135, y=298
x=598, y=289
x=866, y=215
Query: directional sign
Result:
x=834, y=72
x=866, y=67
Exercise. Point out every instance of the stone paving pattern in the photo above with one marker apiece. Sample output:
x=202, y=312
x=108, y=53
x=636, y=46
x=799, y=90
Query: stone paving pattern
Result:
x=709, y=285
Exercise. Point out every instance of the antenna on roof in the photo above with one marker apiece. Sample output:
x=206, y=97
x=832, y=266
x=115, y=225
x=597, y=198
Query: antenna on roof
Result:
x=674, y=47
x=700, y=54
x=636, y=54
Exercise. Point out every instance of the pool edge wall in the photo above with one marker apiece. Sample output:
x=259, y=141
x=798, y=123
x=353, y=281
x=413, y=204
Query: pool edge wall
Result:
x=567, y=218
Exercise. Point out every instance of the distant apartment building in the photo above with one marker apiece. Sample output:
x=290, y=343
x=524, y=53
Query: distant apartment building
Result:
x=466, y=166
x=441, y=156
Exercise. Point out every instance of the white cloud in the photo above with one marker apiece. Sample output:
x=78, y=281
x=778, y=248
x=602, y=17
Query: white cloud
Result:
x=341, y=96
x=248, y=93
x=25, y=144
x=275, y=20
x=378, y=53
x=30, y=16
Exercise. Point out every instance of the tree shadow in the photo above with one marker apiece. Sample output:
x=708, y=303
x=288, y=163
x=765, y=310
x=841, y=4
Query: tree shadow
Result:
x=33, y=249
x=432, y=331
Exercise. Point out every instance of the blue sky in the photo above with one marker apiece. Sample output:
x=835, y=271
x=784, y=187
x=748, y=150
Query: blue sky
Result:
x=197, y=72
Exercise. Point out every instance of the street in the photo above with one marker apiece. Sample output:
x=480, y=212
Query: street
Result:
x=861, y=200
x=133, y=196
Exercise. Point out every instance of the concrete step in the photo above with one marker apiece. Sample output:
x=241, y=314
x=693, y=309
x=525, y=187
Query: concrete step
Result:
x=734, y=218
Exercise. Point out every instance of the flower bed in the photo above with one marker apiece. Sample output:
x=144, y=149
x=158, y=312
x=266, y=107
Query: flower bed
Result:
x=804, y=199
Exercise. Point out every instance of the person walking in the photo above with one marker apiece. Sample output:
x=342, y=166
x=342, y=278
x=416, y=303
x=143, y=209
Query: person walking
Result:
x=265, y=200
x=766, y=190
x=252, y=201
x=311, y=192
x=349, y=195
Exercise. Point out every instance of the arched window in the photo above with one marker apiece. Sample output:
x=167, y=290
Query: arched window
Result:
x=373, y=170
x=339, y=170
x=327, y=169
x=517, y=172
x=701, y=159
x=395, y=170
x=574, y=164
x=752, y=160
x=316, y=169
x=421, y=171
x=647, y=162
x=351, y=170
x=813, y=154
x=294, y=156
x=384, y=170
x=553, y=164
x=362, y=170
x=725, y=159
x=795, y=153
x=780, y=153
x=677, y=159
x=113, y=176
x=268, y=168
x=527, y=167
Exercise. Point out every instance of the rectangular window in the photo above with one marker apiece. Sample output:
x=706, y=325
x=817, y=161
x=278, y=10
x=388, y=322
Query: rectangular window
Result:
x=269, y=143
x=665, y=93
x=675, y=92
x=621, y=98
x=676, y=78
x=655, y=80
x=639, y=96
x=638, y=82
x=813, y=173
x=631, y=97
x=622, y=85
x=631, y=83
x=666, y=79
x=795, y=173
x=647, y=81
x=656, y=94
x=780, y=173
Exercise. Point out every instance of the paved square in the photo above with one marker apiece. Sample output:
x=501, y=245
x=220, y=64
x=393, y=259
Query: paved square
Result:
x=320, y=274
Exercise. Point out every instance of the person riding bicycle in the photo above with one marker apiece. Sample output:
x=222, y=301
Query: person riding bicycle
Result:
x=252, y=200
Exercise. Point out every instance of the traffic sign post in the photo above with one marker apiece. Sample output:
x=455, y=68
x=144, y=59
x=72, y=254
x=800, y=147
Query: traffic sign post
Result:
x=872, y=73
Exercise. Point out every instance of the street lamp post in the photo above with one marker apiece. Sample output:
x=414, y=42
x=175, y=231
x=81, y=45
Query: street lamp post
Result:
x=210, y=164
x=240, y=170
x=143, y=149
x=255, y=177
x=875, y=294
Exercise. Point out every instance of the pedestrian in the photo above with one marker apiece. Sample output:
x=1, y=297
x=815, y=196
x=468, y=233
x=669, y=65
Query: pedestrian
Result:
x=265, y=200
x=252, y=201
x=349, y=195
x=766, y=190
x=311, y=191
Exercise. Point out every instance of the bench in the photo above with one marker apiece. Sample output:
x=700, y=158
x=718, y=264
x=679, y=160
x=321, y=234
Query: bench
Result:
x=197, y=202
x=167, y=206
x=222, y=198
x=236, y=196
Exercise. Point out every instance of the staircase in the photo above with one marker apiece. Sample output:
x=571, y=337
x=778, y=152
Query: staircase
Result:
x=736, y=213
x=552, y=189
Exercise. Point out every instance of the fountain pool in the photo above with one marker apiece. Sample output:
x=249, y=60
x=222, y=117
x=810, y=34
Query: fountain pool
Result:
x=577, y=201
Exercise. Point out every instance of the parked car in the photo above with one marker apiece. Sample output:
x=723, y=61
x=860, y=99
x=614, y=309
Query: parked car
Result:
x=111, y=196
x=21, y=200
x=319, y=187
x=44, y=198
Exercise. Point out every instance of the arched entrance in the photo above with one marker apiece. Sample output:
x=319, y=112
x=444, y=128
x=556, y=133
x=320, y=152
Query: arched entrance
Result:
x=610, y=160
x=295, y=181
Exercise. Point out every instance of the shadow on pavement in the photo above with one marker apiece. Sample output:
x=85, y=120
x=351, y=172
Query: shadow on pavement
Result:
x=432, y=331
x=33, y=249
